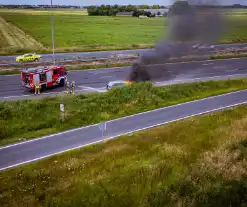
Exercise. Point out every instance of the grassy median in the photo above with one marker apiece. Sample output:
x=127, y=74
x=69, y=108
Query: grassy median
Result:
x=199, y=161
x=12, y=71
x=25, y=119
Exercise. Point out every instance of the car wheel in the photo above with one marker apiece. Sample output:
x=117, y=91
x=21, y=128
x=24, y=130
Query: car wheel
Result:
x=43, y=87
x=61, y=83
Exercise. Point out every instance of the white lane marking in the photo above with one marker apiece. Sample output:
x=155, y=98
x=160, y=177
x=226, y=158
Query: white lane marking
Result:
x=219, y=76
x=120, y=134
x=201, y=61
x=15, y=96
x=58, y=92
x=88, y=88
x=102, y=89
x=188, y=102
x=231, y=70
x=45, y=137
x=208, y=64
x=195, y=61
x=219, y=67
x=97, y=70
x=162, y=82
x=109, y=76
x=204, y=78
x=6, y=97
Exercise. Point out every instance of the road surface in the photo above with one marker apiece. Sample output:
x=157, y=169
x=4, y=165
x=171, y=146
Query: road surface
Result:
x=95, y=80
x=33, y=150
x=105, y=54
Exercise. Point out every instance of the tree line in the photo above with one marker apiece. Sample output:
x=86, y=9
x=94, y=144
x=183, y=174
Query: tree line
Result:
x=115, y=8
x=108, y=10
x=26, y=6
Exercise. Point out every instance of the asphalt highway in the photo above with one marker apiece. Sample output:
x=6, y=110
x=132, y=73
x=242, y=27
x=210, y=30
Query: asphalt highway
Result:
x=33, y=150
x=105, y=54
x=95, y=80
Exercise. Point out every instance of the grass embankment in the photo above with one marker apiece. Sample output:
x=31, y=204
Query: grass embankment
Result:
x=195, y=162
x=87, y=33
x=25, y=119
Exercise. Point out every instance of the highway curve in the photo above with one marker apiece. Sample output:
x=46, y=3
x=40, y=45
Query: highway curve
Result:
x=36, y=149
x=96, y=80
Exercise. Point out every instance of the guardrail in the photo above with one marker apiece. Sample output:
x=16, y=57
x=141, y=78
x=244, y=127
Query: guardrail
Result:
x=116, y=57
x=65, y=61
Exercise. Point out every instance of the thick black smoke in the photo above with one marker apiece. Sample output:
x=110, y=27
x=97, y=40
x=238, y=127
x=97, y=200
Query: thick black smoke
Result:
x=189, y=22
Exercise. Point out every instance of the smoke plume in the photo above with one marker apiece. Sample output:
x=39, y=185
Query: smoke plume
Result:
x=189, y=22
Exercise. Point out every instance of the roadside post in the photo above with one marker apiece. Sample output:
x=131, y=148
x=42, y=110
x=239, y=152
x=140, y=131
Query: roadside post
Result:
x=102, y=127
x=52, y=35
x=62, y=113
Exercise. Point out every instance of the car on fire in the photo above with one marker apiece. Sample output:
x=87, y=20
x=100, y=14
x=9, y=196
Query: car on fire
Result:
x=30, y=57
x=117, y=83
x=203, y=46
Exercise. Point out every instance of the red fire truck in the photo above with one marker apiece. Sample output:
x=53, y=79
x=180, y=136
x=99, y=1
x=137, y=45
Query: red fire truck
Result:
x=46, y=76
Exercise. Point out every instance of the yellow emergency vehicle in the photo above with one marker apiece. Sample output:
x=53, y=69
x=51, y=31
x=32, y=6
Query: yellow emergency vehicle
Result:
x=30, y=57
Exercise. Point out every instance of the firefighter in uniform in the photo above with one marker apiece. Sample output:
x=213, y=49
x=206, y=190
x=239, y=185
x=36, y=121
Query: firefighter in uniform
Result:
x=37, y=88
x=73, y=87
x=65, y=80
x=67, y=87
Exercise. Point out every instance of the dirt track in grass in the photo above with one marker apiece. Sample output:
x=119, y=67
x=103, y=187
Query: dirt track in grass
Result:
x=14, y=37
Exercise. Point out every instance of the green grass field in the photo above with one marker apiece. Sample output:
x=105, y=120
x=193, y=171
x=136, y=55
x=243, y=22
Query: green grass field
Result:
x=32, y=118
x=236, y=29
x=76, y=31
x=197, y=162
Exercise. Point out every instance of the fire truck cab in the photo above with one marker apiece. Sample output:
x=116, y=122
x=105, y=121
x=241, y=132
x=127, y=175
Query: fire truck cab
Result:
x=47, y=77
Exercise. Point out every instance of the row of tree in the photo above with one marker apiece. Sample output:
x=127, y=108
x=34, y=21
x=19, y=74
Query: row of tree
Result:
x=156, y=6
x=26, y=6
x=121, y=8
x=138, y=13
x=108, y=10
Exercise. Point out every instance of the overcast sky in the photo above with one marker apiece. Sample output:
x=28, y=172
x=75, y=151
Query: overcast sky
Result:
x=98, y=2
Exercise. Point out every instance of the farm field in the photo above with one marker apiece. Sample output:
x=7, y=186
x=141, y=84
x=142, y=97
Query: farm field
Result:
x=14, y=38
x=76, y=31
x=46, y=11
x=89, y=33
x=196, y=162
x=236, y=29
